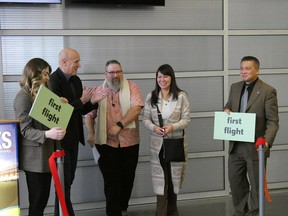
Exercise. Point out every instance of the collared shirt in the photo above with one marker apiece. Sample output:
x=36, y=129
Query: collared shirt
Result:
x=126, y=137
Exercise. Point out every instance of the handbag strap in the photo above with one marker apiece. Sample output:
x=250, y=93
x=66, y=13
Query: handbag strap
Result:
x=161, y=119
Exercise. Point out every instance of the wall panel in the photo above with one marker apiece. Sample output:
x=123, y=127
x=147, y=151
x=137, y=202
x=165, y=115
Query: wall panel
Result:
x=277, y=169
x=10, y=91
x=139, y=54
x=258, y=14
x=271, y=50
x=204, y=174
x=281, y=138
x=200, y=136
x=18, y=50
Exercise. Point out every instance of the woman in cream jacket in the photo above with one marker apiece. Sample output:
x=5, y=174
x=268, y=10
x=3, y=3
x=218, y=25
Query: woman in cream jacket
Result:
x=174, y=105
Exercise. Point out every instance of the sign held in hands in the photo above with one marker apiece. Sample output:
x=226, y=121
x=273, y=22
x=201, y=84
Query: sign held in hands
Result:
x=50, y=110
x=235, y=126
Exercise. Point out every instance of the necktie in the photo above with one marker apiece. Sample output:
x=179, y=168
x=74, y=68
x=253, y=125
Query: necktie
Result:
x=244, y=100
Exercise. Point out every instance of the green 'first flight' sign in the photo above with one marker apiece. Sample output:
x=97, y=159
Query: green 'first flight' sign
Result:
x=50, y=110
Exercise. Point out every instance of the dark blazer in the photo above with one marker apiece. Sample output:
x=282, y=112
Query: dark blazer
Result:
x=263, y=102
x=61, y=86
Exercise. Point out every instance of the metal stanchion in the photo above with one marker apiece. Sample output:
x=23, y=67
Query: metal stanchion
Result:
x=60, y=168
x=58, y=174
x=260, y=144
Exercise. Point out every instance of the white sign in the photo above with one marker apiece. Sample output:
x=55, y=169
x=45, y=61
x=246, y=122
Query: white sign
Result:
x=234, y=126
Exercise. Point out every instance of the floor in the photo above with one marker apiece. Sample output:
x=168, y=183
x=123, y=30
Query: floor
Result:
x=221, y=206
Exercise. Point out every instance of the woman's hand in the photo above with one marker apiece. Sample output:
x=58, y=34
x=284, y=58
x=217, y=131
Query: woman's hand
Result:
x=55, y=133
x=158, y=130
x=167, y=129
x=64, y=100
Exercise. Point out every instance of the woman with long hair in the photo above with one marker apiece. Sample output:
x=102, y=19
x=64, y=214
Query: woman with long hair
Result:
x=37, y=142
x=172, y=102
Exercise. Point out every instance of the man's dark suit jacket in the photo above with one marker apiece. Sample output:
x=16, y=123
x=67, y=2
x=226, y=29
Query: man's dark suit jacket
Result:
x=61, y=86
x=263, y=102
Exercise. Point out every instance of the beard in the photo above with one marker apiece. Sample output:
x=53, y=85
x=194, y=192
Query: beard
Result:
x=114, y=84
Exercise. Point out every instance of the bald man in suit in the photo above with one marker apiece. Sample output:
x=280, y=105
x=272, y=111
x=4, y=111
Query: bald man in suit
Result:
x=65, y=83
x=243, y=156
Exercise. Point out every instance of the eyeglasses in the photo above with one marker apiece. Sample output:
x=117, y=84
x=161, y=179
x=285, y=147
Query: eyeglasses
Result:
x=111, y=73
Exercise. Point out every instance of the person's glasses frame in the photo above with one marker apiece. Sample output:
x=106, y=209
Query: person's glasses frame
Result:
x=111, y=73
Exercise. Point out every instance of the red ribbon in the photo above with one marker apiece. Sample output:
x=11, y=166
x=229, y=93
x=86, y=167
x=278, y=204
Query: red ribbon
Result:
x=56, y=180
x=262, y=141
x=267, y=195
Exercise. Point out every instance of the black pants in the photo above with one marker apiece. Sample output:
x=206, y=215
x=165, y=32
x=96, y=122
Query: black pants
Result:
x=118, y=167
x=70, y=164
x=39, y=190
x=167, y=204
x=243, y=174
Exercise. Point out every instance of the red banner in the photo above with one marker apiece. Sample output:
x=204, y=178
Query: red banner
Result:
x=56, y=179
x=262, y=141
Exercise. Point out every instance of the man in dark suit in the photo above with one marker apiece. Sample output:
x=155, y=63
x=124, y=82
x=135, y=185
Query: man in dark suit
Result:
x=243, y=156
x=65, y=83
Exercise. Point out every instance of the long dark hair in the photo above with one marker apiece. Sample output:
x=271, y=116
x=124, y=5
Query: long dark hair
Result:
x=165, y=69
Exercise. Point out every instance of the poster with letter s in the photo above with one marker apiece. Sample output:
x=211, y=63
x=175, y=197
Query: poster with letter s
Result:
x=9, y=176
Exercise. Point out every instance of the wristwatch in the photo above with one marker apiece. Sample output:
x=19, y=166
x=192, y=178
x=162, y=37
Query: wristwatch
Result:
x=120, y=124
